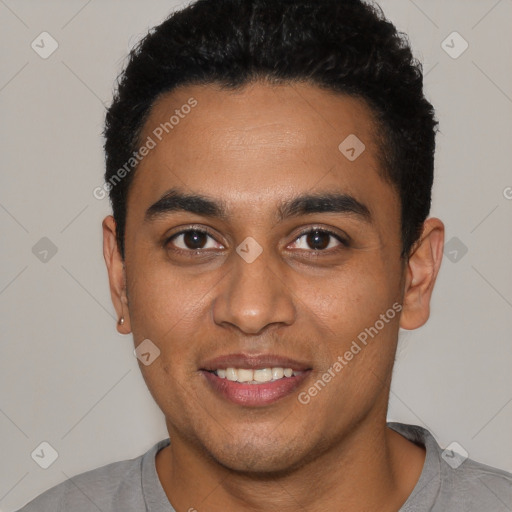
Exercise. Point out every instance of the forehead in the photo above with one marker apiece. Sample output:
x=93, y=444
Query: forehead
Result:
x=250, y=146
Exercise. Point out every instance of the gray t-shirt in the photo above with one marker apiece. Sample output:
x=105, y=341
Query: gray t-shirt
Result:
x=133, y=485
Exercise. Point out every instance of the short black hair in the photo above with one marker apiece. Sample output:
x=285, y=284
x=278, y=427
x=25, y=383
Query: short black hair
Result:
x=345, y=46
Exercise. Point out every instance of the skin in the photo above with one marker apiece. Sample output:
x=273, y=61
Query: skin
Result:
x=252, y=149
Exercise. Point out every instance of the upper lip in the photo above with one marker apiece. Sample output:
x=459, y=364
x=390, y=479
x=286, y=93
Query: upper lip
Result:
x=251, y=361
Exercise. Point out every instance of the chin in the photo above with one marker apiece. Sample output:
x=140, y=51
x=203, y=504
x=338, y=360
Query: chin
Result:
x=257, y=459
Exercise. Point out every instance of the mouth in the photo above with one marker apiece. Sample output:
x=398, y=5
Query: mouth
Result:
x=254, y=381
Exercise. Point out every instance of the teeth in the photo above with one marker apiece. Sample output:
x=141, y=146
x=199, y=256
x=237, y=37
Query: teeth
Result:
x=255, y=376
x=232, y=374
x=245, y=375
x=264, y=375
x=277, y=373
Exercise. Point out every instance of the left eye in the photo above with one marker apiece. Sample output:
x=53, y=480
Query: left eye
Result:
x=319, y=240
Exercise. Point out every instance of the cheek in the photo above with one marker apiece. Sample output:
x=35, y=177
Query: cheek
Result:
x=352, y=298
x=160, y=297
x=164, y=308
x=354, y=311
x=170, y=307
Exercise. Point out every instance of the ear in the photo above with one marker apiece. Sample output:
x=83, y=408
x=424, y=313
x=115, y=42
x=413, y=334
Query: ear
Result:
x=421, y=273
x=116, y=273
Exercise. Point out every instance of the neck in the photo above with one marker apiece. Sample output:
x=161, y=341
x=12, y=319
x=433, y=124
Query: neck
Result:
x=372, y=468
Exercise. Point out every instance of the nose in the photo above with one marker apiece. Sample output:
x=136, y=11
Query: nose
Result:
x=254, y=296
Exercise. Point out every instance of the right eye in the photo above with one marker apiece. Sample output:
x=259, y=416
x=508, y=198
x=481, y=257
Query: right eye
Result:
x=191, y=240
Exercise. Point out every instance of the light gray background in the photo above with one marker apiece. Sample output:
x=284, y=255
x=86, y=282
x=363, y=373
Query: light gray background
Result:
x=69, y=379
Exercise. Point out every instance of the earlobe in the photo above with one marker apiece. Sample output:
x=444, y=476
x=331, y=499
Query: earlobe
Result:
x=421, y=273
x=116, y=274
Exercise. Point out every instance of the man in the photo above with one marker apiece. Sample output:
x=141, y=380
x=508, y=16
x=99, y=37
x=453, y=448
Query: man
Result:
x=270, y=166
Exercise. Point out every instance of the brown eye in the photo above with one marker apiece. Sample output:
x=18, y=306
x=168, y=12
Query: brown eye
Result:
x=192, y=240
x=319, y=240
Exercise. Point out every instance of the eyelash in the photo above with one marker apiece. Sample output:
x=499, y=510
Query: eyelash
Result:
x=191, y=252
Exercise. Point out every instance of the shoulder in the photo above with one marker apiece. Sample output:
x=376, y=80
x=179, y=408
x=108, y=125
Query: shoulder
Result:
x=115, y=486
x=476, y=486
x=451, y=481
x=91, y=491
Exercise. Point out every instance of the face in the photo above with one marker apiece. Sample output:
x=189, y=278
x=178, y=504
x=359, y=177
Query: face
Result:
x=258, y=273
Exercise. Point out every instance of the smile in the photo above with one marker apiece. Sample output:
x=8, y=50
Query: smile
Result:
x=251, y=392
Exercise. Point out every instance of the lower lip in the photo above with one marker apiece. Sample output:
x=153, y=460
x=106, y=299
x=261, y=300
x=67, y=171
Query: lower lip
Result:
x=253, y=395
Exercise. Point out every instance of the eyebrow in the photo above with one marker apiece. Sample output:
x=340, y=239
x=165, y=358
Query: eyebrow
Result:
x=175, y=200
